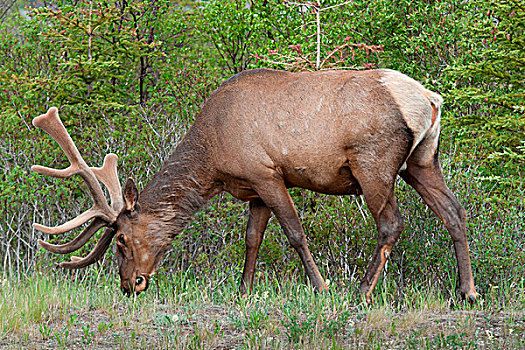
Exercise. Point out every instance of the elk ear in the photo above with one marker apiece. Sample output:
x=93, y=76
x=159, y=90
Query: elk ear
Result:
x=131, y=195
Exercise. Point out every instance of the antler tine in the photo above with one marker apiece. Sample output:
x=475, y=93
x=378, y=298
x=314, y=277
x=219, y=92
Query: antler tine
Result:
x=96, y=253
x=76, y=243
x=109, y=177
x=51, y=123
x=76, y=222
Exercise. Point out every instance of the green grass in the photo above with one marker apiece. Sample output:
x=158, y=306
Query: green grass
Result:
x=53, y=310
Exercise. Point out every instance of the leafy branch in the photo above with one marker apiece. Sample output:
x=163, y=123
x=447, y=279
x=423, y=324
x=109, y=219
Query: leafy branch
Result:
x=301, y=57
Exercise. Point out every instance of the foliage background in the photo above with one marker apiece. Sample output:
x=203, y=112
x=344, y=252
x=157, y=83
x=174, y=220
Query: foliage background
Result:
x=130, y=76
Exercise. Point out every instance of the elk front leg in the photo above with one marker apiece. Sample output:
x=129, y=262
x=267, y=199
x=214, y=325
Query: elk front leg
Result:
x=274, y=194
x=257, y=221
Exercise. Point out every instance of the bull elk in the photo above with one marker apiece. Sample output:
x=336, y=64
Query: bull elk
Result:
x=259, y=133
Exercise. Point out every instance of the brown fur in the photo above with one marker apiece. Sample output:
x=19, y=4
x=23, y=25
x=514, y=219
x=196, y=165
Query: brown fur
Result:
x=262, y=131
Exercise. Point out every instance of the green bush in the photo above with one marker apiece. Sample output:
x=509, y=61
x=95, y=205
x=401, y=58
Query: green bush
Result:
x=491, y=82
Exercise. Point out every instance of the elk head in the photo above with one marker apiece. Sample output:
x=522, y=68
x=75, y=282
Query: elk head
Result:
x=122, y=218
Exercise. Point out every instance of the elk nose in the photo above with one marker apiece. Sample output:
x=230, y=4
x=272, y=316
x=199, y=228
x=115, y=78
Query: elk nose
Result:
x=125, y=291
x=141, y=284
x=126, y=287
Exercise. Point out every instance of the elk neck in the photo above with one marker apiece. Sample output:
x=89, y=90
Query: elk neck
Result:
x=184, y=184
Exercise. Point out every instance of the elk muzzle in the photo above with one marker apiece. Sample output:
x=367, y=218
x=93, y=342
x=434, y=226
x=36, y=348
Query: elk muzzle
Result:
x=139, y=283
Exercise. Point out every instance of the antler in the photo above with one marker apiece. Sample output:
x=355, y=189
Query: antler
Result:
x=101, y=212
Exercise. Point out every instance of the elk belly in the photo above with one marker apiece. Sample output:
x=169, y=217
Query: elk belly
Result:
x=338, y=181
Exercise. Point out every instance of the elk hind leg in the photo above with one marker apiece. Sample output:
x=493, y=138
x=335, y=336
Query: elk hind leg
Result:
x=425, y=176
x=379, y=196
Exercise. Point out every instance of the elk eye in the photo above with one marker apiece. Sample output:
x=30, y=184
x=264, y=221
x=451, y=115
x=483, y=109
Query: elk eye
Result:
x=139, y=281
x=121, y=239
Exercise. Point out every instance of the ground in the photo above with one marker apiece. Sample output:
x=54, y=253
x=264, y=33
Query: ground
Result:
x=60, y=313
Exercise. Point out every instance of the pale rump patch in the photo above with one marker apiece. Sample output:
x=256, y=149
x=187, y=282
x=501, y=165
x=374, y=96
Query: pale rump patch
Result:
x=419, y=106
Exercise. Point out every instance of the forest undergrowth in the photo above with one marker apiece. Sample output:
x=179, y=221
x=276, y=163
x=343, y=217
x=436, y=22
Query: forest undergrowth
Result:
x=129, y=77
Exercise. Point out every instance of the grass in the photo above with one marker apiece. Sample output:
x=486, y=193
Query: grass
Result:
x=54, y=311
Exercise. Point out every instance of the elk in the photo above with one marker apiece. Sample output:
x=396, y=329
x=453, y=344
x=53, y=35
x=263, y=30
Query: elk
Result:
x=261, y=132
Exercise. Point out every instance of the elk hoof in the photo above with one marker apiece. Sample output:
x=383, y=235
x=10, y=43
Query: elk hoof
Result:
x=471, y=297
x=322, y=289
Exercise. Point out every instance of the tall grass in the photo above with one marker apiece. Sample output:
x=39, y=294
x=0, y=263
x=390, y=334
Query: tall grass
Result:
x=57, y=310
